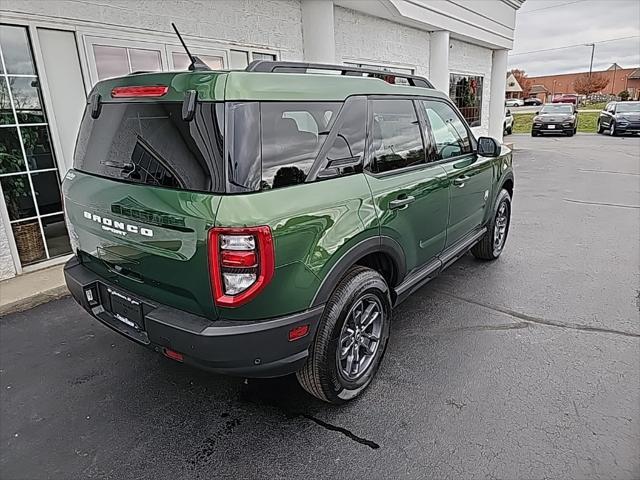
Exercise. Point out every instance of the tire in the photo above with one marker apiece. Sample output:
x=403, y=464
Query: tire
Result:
x=323, y=374
x=569, y=133
x=534, y=134
x=612, y=129
x=600, y=129
x=510, y=130
x=486, y=248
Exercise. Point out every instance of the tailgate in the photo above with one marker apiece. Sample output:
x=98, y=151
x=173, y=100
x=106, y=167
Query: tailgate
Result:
x=150, y=241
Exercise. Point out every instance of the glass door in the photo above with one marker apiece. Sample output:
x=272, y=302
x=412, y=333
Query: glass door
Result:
x=28, y=169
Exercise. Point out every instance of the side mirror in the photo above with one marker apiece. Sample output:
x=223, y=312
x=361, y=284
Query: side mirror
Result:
x=538, y=112
x=508, y=113
x=488, y=147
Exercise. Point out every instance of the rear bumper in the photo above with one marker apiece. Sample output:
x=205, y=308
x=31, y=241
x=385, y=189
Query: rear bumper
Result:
x=249, y=349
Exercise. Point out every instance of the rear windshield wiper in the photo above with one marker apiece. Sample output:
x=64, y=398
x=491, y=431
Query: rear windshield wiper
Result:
x=125, y=167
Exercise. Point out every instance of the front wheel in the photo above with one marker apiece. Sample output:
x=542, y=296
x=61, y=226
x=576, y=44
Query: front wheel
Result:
x=351, y=338
x=492, y=242
x=600, y=128
x=612, y=129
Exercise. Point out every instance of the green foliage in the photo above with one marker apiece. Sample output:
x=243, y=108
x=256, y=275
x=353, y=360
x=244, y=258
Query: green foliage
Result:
x=624, y=95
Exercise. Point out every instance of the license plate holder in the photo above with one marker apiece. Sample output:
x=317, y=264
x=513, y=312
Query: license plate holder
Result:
x=126, y=309
x=551, y=127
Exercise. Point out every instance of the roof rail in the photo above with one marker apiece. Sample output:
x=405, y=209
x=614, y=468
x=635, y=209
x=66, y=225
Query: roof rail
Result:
x=271, y=66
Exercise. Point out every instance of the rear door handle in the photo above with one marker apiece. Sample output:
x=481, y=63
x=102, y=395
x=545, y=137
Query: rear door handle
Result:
x=459, y=182
x=401, y=202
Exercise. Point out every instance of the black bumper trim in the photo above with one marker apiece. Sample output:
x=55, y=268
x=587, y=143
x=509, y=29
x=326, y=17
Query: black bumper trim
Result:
x=242, y=348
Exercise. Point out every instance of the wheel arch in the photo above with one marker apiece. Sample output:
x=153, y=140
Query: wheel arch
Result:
x=507, y=184
x=383, y=254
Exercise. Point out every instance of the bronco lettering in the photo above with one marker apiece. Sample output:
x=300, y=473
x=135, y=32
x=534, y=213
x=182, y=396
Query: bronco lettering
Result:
x=119, y=228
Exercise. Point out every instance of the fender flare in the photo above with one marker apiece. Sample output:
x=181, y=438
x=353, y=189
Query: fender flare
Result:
x=507, y=176
x=361, y=249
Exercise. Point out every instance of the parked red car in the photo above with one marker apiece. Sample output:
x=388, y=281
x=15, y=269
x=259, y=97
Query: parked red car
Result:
x=566, y=98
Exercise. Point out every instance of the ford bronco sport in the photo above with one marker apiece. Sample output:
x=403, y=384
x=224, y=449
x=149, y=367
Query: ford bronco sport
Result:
x=264, y=222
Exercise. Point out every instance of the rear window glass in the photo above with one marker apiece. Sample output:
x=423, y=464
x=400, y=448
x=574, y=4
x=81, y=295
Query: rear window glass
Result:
x=292, y=135
x=149, y=143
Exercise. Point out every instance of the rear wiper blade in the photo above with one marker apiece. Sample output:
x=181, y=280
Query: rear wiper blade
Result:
x=121, y=166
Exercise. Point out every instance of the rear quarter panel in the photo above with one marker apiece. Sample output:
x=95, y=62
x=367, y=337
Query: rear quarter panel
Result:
x=312, y=224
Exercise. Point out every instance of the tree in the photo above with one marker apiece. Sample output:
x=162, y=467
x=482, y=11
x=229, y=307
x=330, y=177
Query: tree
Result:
x=523, y=81
x=624, y=95
x=585, y=85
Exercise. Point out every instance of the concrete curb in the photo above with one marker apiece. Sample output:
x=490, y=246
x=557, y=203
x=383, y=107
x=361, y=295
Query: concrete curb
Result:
x=34, y=300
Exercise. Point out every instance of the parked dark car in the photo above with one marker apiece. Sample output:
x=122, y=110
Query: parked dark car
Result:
x=555, y=118
x=619, y=118
x=532, y=101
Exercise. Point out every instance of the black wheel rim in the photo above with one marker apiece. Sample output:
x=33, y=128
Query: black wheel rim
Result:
x=360, y=337
x=501, y=227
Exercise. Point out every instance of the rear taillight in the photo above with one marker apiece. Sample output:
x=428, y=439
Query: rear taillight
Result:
x=140, y=91
x=241, y=262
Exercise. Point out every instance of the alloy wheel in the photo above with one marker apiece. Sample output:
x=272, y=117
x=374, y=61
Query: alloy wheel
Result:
x=501, y=227
x=360, y=337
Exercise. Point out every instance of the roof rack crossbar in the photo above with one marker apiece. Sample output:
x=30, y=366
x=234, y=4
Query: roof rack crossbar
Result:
x=270, y=66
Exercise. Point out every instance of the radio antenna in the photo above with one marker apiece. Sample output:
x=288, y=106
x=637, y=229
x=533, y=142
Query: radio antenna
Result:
x=196, y=63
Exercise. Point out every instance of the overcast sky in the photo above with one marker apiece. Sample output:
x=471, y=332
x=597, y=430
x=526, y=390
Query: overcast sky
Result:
x=542, y=24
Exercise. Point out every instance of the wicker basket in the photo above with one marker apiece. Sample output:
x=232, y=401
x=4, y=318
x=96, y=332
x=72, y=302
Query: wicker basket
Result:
x=29, y=242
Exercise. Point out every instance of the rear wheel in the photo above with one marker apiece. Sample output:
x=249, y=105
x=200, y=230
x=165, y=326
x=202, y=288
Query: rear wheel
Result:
x=492, y=242
x=351, y=338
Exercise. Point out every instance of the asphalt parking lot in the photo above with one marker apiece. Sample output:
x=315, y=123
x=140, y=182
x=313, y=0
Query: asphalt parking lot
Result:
x=526, y=368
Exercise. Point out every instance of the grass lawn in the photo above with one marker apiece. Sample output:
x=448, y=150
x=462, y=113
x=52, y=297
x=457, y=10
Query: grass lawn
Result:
x=593, y=106
x=586, y=122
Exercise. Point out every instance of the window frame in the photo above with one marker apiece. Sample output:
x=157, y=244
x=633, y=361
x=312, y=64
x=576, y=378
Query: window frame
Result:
x=468, y=76
x=91, y=41
x=472, y=138
x=212, y=52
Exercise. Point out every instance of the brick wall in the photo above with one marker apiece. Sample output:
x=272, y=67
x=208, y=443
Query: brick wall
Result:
x=564, y=83
x=366, y=38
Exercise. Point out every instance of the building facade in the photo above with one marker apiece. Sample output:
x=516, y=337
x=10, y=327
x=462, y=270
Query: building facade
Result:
x=53, y=52
x=619, y=79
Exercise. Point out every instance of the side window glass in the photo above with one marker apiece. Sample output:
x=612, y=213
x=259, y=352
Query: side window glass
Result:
x=396, y=138
x=450, y=135
x=347, y=150
x=292, y=134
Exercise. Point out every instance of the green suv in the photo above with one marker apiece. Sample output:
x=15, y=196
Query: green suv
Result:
x=264, y=222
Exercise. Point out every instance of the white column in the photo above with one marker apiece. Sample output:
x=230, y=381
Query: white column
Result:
x=319, y=43
x=497, y=93
x=439, y=60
